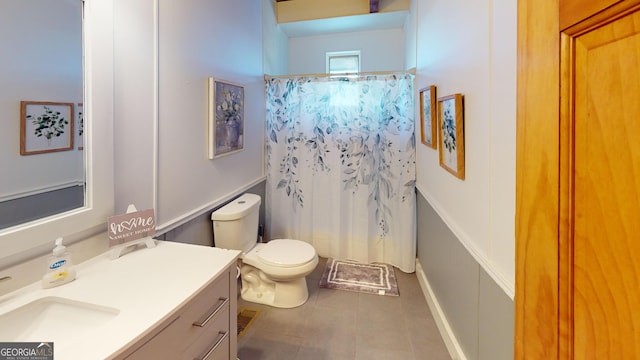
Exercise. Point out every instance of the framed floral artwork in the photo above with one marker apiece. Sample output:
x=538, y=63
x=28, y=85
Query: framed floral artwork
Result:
x=428, y=126
x=46, y=127
x=226, y=118
x=80, y=125
x=451, y=134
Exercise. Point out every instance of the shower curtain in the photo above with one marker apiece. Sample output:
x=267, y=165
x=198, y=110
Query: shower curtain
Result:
x=340, y=156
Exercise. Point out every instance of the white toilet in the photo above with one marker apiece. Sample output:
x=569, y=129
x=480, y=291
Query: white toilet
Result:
x=272, y=273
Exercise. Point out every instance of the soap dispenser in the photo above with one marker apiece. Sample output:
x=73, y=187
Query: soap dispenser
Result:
x=60, y=270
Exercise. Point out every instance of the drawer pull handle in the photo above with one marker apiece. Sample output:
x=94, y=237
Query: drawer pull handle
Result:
x=221, y=336
x=219, y=305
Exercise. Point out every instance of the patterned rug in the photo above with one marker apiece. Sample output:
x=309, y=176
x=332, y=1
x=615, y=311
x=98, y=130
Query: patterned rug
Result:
x=354, y=276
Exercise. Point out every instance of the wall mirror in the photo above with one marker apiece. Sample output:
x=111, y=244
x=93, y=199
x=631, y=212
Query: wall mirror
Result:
x=43, y=121
x=59, y=65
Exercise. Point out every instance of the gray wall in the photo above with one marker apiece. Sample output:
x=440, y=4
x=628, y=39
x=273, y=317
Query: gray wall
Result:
x=199, y=231
x=27, y=208
x=479, y=312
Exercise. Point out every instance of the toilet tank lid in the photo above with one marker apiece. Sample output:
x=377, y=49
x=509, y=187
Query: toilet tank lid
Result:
x=237, y=208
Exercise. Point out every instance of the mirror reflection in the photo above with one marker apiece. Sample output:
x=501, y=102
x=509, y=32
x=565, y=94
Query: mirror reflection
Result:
x=41, y=107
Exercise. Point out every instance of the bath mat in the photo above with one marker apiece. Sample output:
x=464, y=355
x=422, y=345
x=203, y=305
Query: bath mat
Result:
x=246, y=317
x=354, y=276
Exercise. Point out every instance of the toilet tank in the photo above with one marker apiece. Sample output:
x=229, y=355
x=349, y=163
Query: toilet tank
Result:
x=235, y=225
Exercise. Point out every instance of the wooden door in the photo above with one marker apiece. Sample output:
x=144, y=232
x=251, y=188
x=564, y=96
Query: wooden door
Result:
x=578, y=180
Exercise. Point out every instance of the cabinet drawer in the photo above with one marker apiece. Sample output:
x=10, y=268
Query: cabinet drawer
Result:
x=205, y=308
x=213, y=344
x=164, y=345
x=203, y=317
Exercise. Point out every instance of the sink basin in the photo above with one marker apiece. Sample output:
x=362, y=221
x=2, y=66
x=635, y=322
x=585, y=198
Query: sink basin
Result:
x=51, y=319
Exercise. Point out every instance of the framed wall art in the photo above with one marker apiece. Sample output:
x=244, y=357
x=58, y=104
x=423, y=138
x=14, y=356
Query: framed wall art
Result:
x=46, y=127
x=226, y=118
x=428, y=116
x=451, y=134
x=80, y=125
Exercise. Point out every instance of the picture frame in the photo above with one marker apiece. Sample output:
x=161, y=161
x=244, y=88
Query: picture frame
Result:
x=451, y=134
x=428, y=117
x=226, y=118
x=80, y=125
x=46, y=127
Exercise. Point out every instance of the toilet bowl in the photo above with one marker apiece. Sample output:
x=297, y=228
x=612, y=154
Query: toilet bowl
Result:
x=272, y=273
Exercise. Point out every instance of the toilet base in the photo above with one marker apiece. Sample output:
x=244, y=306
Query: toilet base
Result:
x=258, y=288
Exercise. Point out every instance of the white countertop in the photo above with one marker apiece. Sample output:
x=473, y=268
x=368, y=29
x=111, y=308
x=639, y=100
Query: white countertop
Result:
x=145, y=285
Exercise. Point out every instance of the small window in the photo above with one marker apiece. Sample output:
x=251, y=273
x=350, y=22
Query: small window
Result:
x=340, y=62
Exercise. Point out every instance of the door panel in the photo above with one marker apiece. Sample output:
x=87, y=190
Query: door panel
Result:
x=578, y=180
x=574, y=11
x=606, y=249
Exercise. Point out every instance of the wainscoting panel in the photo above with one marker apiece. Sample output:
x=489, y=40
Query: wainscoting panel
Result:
x=478, y=315
x=496, y=323
x=20, y=210
x=199, y=230
x=452, y=274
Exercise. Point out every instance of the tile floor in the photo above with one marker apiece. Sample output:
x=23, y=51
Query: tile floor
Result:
x=342, y=325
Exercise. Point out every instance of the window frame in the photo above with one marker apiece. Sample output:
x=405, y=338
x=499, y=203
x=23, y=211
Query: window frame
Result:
x=335, y=54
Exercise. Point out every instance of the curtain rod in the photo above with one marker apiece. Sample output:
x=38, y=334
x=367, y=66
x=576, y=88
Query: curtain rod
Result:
x=411, y=71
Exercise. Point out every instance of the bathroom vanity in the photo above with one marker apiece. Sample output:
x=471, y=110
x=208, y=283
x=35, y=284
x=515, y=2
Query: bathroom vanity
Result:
x=172, y=301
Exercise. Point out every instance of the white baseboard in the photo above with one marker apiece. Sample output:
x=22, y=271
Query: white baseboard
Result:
x=455, y=351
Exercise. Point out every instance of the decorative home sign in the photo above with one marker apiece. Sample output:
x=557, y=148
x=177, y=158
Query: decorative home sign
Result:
x=428, y=132
x=131, y=226
x=451, y=134
x=226, y=118
x=45, y=127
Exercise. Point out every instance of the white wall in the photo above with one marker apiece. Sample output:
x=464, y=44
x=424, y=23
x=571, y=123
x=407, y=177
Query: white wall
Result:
x=275, y=42
x=470, y=48
x=135, y=113
x=198, y=39
x=166, y=50
x=410, y=35
x=41, y=61
x=380, y=50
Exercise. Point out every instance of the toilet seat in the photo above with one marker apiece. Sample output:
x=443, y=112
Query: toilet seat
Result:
x=274, y=273
x=286, y=253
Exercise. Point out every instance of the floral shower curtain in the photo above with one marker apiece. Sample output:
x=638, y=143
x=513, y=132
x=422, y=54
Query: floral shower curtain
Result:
x=341, y=166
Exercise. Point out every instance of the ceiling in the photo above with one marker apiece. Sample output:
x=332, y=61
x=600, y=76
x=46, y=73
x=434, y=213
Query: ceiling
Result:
x=299, y=18
x=375, y=21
